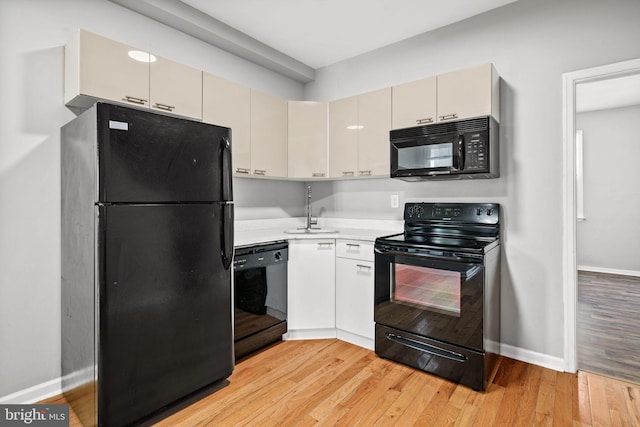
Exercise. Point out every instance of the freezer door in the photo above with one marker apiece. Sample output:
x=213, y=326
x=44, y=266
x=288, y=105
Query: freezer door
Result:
x=150, y=158
x=165, y=307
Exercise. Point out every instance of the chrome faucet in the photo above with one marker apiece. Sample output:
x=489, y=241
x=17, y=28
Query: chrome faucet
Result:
x=310, y=220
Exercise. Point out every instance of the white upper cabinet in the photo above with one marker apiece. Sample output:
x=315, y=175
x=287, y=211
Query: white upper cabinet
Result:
x=461, y=94
x=175, y=88
x=99, y=68
x=228, y=104
x=307, y=136
x=343, y=137
x=374, y=117
x=467, y=93
x=268, y=135
x=414, y=103
x=359, y=135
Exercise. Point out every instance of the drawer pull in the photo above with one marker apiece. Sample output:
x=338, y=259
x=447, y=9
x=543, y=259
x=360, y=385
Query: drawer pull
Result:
x=363, y=267
x=134, y=100
x=164, y=107
x=242, y=170
x=353, y=245
x=449, y=116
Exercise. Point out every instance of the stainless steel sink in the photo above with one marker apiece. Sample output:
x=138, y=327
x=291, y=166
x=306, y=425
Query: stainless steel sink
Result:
x=310, y=231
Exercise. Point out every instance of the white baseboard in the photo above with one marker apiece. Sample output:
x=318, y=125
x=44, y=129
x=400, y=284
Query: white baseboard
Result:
x=528, y=356
x=34, y=394
x=609, y=271
x=309, y=334
x=355, y=339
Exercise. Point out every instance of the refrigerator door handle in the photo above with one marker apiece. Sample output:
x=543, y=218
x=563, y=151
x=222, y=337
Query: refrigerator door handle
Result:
x=226, y=170
x=227, y=235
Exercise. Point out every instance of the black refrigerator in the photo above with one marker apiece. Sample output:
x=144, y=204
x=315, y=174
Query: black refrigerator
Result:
x=146, y=262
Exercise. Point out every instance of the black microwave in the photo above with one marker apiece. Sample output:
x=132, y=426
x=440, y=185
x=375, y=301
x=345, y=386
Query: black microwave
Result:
x=453, y=150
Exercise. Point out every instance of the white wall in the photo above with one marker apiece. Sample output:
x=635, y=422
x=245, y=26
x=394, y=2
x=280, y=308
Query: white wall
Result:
x=531, y=43
x=32, y=36
x=608, y=238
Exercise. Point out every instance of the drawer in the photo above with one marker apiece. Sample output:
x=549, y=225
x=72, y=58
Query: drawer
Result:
x=354, y=249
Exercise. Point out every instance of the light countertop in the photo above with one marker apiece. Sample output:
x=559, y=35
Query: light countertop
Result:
x=251, y=232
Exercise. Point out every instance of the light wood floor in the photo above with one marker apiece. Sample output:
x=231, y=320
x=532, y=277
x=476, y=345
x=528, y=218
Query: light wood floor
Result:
x=608, y=325
x=330, y=382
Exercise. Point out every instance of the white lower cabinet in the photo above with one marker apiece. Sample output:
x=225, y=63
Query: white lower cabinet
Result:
x=311, y=310
x=354, y=292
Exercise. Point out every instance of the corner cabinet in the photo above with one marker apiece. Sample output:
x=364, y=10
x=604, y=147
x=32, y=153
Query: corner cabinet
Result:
x=268, y=135
x=228, y=104
x=311, y=289
x=355, y=292
x=307, y=139
x=359, y=135
x=97, y=68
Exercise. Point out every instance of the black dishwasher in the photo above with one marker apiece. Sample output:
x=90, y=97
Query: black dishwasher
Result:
x=260, y=284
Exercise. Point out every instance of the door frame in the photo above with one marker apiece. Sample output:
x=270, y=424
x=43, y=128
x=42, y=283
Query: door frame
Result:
x=569, y=262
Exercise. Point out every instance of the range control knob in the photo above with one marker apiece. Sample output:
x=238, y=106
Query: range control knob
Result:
x=278, y=256
x=489, y=212
x=478, y=211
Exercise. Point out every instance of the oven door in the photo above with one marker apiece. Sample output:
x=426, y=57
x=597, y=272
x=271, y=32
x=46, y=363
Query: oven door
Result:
x=427, y=156
x=438, y=297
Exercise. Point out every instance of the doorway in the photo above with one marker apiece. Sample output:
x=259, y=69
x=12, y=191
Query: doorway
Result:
x=571, y=82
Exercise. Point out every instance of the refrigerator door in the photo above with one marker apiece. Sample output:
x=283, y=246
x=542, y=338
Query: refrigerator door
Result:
x=145, y=157
x=165, y=306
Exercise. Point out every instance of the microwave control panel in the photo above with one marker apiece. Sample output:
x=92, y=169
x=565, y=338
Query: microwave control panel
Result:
x=476, y=152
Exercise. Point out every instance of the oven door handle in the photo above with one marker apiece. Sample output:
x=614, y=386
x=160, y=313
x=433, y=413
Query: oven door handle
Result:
x=468, y=258
x=426, y=348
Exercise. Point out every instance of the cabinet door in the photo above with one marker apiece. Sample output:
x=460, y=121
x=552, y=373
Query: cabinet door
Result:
x=175, y=88
x=311, y=283
x=414, y=103
x=307, y=139
x=268, y=135
x=374, y=119
x=101, y=68
x=227, y=104
x=343, y=137
x=354, y=296
x=471, y=92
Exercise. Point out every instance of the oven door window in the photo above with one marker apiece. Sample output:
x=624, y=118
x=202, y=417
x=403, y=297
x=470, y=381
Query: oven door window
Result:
x=426, y=288
x=430, y=156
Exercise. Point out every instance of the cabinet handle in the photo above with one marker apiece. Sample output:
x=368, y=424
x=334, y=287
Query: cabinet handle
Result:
x=321, y=244
x=424, y=121
x=242, y=170
x=449, y=116
x=134, y=100
x=259, y=172
x=318, y=174
x=354, y=245
x=348, y=173
x=363, y=267
x=164, y=107
x=364, y=173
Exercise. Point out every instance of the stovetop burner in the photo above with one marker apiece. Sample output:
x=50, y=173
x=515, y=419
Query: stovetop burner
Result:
x=455, y=227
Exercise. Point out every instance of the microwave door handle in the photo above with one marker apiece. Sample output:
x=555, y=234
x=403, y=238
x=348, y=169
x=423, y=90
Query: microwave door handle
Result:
x=461, y=152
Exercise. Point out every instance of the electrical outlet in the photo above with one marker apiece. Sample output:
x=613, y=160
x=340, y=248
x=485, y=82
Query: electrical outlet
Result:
x=395, y=202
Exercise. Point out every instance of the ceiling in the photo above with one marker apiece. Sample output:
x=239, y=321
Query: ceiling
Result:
x=296, y=37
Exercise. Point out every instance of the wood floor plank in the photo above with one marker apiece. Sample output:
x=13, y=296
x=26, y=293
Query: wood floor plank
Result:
x=333, y=383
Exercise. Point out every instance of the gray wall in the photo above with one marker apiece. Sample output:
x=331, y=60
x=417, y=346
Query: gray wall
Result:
x=609, y=236
x=531, y=43
x=32, y=36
